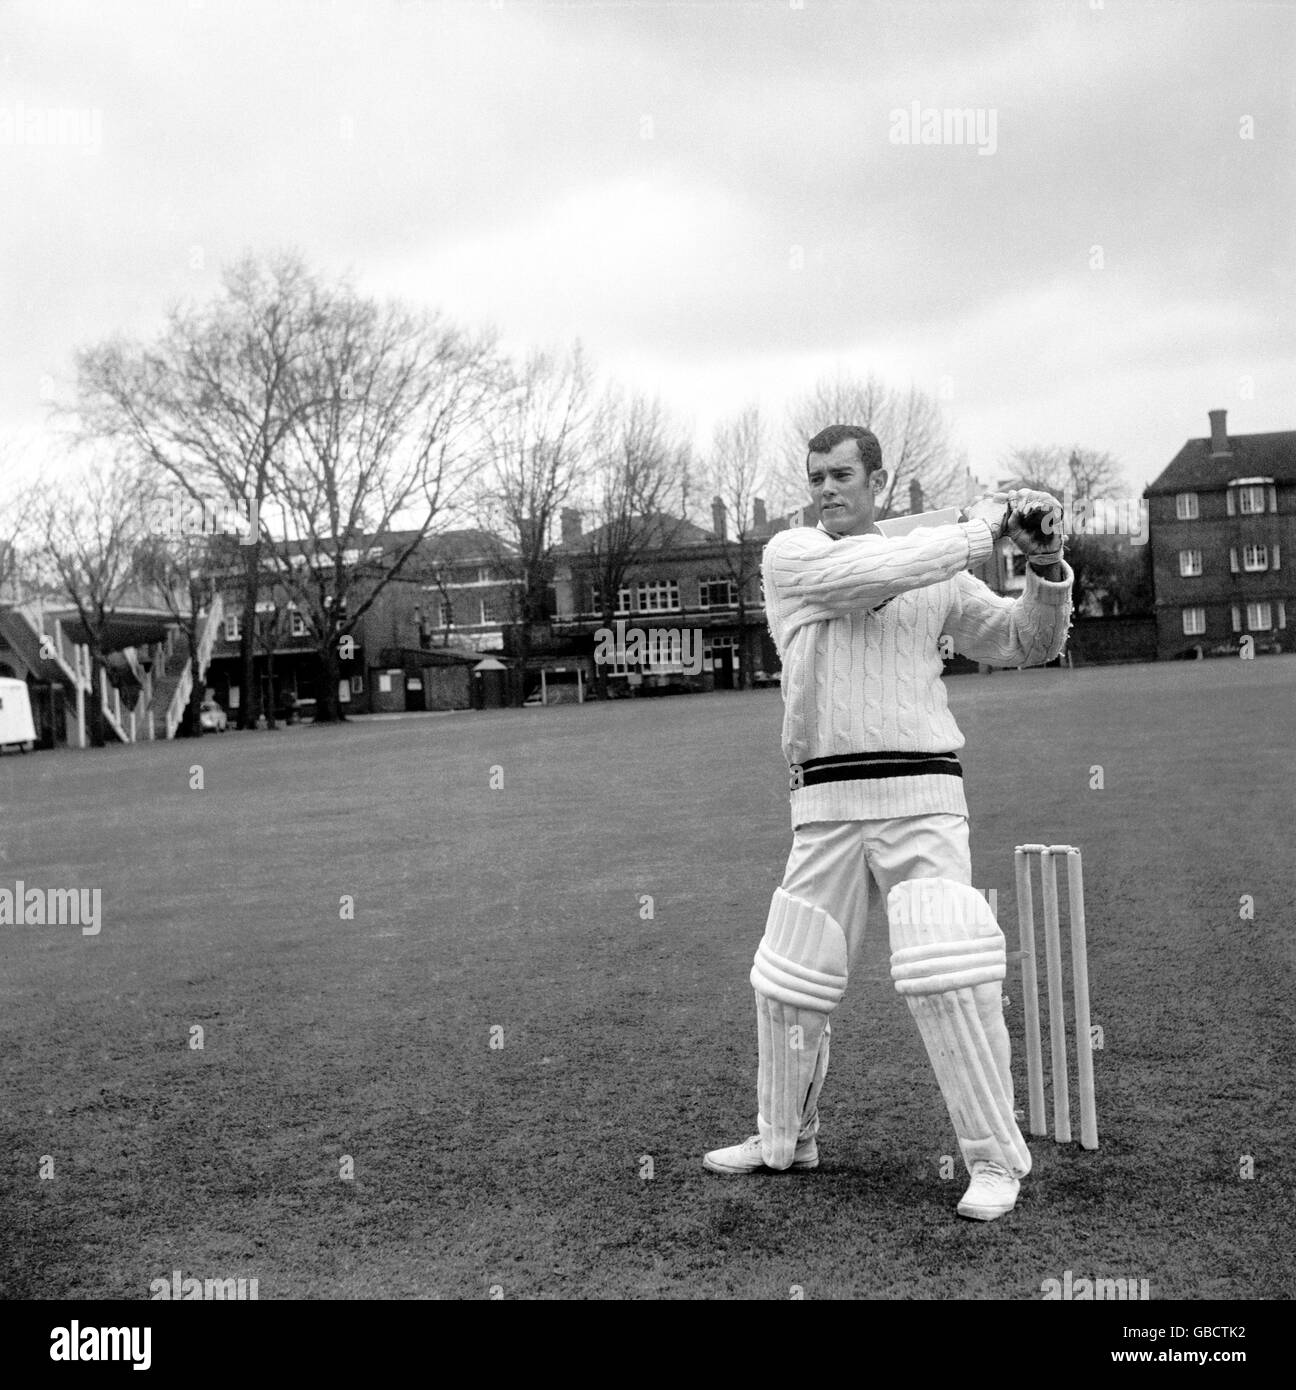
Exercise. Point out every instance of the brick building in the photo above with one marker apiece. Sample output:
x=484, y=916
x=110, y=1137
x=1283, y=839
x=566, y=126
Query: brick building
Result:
x=1222, y=529
x=414, y=648
x=687, y=580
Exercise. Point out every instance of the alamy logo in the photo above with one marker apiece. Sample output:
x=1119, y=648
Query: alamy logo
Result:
x=1080, y=1289
x=77, y=1343
x=181, y=515
x=51, y=126
x=194, y=1289
x=668, y=647
x=61, y=907
x=1106, y=516
x=946, y=125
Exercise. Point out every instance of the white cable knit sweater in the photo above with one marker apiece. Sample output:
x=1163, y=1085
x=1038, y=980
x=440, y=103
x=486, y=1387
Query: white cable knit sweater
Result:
x=857, y=621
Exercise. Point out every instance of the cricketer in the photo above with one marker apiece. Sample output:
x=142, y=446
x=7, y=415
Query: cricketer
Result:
x=879, y=816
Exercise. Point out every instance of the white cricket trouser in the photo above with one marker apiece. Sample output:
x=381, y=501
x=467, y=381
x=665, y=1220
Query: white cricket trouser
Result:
x=847, y=868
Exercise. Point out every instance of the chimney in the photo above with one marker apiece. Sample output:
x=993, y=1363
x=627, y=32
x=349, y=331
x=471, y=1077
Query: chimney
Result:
x=758, y=514
x=1219, y=435
x=571, y=526
x=915, y=497
x=718, y=518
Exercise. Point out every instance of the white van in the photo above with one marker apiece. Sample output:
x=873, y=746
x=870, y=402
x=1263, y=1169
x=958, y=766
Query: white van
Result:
x=16, y=725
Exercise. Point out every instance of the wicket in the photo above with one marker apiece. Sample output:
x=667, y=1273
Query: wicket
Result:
x=1048, y=854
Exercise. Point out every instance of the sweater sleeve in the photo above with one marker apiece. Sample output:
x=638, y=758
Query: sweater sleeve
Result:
x=810, y=575
x=1026, y=631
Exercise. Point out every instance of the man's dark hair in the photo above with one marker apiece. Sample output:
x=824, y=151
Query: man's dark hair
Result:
x=870, y=451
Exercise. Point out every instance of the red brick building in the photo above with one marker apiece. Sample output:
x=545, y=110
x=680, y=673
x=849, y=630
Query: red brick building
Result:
x=1222, y=524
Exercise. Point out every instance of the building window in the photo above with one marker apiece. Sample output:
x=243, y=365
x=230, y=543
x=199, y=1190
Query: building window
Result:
x=1251, y=500
x=445, y=613
x=297, y=623
x=717, y=593
x=1190, y=562
x=1237, y=618
x=622, y=604
x=233, y=628
x=1186, y=506
x=1259, y=617
x=1255, y=557
x=1194, y=622
x=1282, y=613
x=659, y=596
x=493, y=609
x=357, y=685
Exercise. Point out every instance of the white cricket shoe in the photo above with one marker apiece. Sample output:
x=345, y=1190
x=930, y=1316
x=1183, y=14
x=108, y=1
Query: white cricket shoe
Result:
x=747, y=1157
x=992, y=1191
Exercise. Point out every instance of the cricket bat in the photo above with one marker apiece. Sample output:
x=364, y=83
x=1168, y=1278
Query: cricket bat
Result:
x=902, y=525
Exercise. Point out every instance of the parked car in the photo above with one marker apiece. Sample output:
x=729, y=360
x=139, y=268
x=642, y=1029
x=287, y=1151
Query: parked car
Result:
x=213, y=718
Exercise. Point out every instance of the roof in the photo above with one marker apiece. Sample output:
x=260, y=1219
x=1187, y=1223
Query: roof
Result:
x=658, y=530
x=1254, y=455
x=468, y=544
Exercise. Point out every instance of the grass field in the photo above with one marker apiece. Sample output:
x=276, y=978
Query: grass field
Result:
x=628, y=1042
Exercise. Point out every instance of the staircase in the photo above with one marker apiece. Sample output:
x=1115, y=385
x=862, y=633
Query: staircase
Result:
x=51, y=656
x=188, y=666
x=132, y=706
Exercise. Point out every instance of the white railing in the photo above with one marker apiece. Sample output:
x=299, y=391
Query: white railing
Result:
x=207, y=639
x=179, y=700
x=56, y=646
x=196, y=666
x=112, y=710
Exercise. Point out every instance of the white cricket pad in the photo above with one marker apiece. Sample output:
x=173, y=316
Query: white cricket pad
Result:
x=799, y=976
x=948, y=959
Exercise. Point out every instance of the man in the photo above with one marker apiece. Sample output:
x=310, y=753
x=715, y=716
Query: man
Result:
x=878, y=811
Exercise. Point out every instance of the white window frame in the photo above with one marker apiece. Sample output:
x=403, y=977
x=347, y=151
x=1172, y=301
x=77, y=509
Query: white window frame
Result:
x=1190, y=563
x=297, y=624
x=652, y=591
x=1261, y=558
x=705, y=587
x=1259, y=615
x=1237, y=618
x=481, y=606
x=233, y=627
x=1249, y=495
x=1186, y=506
x=622, y=609
x=1194, y=622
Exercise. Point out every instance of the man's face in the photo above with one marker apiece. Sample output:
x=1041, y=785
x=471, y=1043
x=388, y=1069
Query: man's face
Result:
x=843, y=495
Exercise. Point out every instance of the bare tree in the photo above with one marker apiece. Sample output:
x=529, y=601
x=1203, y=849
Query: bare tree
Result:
x=90, y=528
x=541, y=427
x=633, y=498
x=182, y=569
x=20, y=513
x=1083, y=479
x=1084, y=475
x=18, y=536
x=910, y=427
x=210, y=403
x=739, y=472
x=385, y=409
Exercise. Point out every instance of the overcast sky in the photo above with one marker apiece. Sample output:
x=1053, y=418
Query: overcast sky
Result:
x=715, y=198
